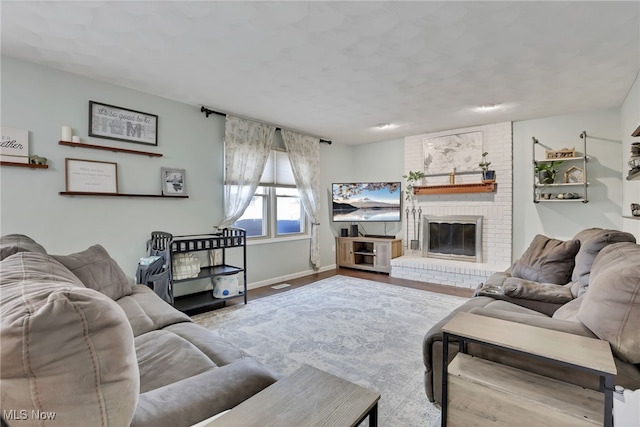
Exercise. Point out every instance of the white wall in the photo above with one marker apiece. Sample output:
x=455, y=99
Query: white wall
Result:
x=564, y=220
x=630, y=119
x=42, y=99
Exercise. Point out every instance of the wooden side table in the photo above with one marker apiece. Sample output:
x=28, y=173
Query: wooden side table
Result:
x=309, y=397
x=484, y=392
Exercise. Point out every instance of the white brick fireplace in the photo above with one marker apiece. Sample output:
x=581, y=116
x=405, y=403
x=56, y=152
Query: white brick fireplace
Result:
x=494, y=208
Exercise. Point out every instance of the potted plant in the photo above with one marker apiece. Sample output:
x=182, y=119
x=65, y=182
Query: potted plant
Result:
x=487, y=174
x=413, y=178
x=546, y=171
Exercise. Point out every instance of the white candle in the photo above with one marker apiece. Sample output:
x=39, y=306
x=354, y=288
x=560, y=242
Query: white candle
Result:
x=76, y=138
x=66, y=133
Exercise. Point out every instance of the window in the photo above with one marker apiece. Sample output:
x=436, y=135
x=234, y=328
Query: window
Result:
x=275, y=209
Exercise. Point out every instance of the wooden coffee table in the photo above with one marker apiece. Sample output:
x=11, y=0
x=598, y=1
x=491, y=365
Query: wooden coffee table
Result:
x=309, y=397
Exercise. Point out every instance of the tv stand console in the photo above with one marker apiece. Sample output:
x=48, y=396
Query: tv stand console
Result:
x=367, y=253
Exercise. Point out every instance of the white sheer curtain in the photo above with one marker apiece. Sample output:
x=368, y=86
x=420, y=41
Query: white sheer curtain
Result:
x=246, y=148
x=304, y=155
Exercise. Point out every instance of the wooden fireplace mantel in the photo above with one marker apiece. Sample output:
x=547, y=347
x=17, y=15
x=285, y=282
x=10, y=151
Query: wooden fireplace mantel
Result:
x=480, y=187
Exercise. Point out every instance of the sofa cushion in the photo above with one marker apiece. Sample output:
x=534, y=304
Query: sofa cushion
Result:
x=611, y=308
x=219, y=350
x=164, y=358
x=508, y=307
x=592, y=240
x=146, y=312
x=547, y=260
x=65, y=348
x=14, y=243
x=97, y=270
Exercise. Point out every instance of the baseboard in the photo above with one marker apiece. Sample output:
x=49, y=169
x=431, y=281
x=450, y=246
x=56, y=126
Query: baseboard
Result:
x=292, y=276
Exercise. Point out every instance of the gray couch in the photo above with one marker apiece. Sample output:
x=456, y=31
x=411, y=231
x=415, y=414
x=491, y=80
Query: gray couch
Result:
x=587, y=286
x=78, y=340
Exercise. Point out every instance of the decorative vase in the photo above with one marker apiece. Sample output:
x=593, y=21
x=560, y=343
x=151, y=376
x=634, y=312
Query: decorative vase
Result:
x=488, y=176
x=545, y=177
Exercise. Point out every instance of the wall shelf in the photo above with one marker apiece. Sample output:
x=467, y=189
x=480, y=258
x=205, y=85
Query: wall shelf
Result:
x=114, y=149
x=82, y=193
x=631, y=217
x=538, y=188
x=484, y=187
x=636, y=132
x=24, y=165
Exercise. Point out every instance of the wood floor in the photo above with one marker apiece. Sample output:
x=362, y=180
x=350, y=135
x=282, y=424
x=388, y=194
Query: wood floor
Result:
x=377, y=277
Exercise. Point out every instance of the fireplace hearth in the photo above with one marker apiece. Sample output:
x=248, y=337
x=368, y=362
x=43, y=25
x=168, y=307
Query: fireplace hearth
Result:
x=454, y=237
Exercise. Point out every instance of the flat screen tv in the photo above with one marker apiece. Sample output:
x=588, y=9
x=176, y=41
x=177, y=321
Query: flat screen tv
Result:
x=366, y=201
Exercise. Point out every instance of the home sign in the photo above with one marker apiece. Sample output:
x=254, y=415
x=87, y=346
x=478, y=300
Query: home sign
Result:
x=14, y=147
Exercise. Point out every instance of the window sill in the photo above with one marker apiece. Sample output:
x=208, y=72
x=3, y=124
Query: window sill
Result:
x=263, y=241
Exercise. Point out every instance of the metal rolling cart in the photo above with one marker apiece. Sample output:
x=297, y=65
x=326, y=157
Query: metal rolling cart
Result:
x=224, y=240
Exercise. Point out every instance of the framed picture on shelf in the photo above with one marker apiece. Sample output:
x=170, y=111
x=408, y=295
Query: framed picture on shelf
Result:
x=574, y=175
x=91, y=176
x=173, y=182
x=121, y=124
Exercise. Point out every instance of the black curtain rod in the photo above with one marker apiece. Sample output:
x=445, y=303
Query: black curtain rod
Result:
x=208, y=112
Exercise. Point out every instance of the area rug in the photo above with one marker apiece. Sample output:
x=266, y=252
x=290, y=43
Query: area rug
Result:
x=367, y=332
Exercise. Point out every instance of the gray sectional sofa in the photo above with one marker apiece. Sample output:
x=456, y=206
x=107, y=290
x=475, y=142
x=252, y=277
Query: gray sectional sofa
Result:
x=78, y=340
x=589, y=286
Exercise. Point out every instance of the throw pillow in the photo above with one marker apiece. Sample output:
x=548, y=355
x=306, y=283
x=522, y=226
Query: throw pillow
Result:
x=547, y=260
x=14, y=243
x=592, y=240
x=65, y=348
x=611, y=308
x=97, y=270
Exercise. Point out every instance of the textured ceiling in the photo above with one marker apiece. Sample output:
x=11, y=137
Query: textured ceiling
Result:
x=336, y=69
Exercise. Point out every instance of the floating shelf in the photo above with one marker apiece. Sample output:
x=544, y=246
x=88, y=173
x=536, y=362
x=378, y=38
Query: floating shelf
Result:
x=82, y=193
x=633, y=175
x=24, y=165
x=488, y=187
x=562, y=184
x=114, y=149
x=581, y=199
x=561, y=159
x=631, y=217
x=636, y=132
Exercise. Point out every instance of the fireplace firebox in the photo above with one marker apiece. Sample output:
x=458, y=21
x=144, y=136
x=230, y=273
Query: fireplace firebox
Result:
x=455, y=237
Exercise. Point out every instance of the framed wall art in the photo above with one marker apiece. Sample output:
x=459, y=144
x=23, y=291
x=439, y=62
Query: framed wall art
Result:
x=121, y=124
x=443, y=154
x=173, y=182
x=91, y=176
x=574, y=175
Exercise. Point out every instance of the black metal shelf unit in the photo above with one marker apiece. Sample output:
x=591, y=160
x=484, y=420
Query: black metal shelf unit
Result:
x=227, y=238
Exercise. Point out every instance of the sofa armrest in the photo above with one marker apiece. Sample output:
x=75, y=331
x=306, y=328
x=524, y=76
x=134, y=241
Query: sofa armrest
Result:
x=546, y=292
x=191, y=400
x=575, y=328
